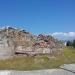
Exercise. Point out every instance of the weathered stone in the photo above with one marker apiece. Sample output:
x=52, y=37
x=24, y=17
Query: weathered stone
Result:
x=6, y=48
x=16, y=40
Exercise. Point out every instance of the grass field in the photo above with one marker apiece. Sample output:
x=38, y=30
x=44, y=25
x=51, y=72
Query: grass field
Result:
x=39, y=62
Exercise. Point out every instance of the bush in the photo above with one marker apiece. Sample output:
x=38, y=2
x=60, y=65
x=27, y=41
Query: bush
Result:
x=73, y=43
x=69, y=43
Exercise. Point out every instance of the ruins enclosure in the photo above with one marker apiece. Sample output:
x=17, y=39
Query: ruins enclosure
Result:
x=16, y=41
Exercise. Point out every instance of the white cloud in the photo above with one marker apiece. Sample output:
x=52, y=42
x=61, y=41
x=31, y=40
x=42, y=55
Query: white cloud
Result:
x=69, y=34
x=59, y=33
x=64, y=35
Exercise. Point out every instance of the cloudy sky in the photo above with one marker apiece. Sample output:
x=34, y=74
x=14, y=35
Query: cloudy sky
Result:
x=40, y=16
x=64, y=36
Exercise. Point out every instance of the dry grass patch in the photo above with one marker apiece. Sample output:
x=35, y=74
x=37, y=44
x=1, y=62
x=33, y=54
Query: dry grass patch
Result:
x=38, y=62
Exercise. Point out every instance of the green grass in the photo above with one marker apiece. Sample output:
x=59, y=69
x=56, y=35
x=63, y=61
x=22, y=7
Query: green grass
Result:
x=38, y=62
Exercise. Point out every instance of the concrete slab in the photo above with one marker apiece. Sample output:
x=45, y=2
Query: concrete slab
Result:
x=69, y=67
x=38, y=72
x=5, y=72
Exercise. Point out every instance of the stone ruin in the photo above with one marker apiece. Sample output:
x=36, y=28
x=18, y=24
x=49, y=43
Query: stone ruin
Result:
x=16, y=41
x=6, y=48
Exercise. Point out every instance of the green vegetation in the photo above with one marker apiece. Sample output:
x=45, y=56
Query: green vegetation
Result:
x=71, y=43
x=38, y=62
x=74, y=43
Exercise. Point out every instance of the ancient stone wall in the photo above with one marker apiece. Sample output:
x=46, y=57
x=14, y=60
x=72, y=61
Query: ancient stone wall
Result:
x=6, y=48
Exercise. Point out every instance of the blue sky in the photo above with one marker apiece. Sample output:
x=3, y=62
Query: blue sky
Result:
x=39, y=16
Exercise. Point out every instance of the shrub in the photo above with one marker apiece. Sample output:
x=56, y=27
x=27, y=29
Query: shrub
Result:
x=73, y=43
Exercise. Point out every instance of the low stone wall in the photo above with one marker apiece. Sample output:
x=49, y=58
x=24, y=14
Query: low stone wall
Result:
x=30, y=51
x=6, y=52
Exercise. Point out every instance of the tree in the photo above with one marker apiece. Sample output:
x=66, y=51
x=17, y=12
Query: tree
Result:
x=73, y=43
x=69, y=43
